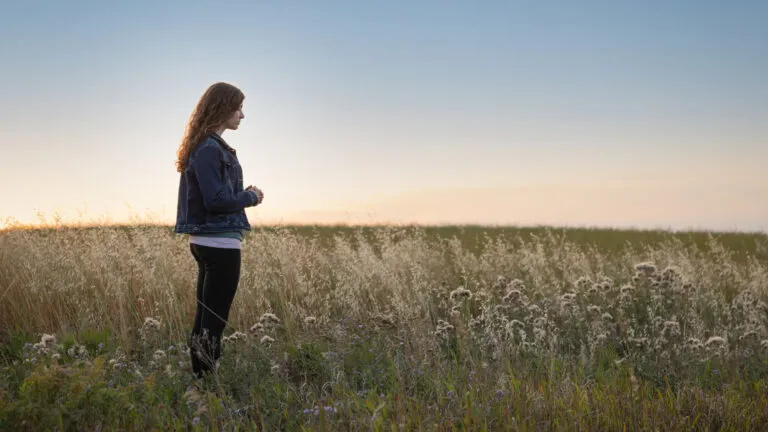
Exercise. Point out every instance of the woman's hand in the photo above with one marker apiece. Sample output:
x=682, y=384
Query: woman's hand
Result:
x=258, y=191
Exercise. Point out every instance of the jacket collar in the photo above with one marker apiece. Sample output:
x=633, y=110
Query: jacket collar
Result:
x=223, y=143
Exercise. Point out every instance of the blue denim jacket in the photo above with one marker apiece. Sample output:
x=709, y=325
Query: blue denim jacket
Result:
x=211, y=195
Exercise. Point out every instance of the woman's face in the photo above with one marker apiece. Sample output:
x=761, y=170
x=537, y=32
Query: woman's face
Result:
x=233, y=122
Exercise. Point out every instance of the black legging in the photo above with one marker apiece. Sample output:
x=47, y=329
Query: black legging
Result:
x=218, y=273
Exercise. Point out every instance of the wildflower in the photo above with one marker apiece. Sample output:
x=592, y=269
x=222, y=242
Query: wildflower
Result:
x=258, y=327
x=309, y=320
x=275, y=368
x=151, y=324
x=670, y=274
x=235, y=337
x=582, y=283
x=330, y=409
x=606, y=317
x=501, y=283
x=443, y=329
x=694, y=344
x=626, y=299
x=159, y=355
x=56, y=356
x=605, y=284
x=460, y=293
x=48, y=340
x=627, y=289
x=715, y=340
x=764, y=344
x=594, y=289
x=517, y=284
x=269, y=318
x=499, y=393
x=266, y=340
x=517, y=324
x=645, y=268
x=671, y=328
x=534, y=309
x=40, y=348
x=593, y=310
x=512, y=295
x=450, y=394
x=748, y=335
x=639, y=342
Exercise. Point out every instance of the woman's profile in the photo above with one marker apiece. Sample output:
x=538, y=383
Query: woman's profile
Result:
x=211, y=209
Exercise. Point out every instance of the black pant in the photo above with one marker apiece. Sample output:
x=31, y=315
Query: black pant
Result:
x=218, y=273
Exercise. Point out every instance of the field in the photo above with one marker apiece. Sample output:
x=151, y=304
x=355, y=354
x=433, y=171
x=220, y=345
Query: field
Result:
x=389, y=328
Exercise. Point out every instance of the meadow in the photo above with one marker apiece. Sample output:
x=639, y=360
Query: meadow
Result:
x=389, y=328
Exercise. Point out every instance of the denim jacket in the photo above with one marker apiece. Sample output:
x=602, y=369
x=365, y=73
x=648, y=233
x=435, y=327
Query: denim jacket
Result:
x=211, y=196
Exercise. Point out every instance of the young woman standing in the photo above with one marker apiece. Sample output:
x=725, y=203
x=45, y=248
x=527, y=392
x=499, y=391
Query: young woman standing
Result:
x=211, y=209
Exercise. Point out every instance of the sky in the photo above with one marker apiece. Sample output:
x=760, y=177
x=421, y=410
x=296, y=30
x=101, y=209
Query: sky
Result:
x=645, y=114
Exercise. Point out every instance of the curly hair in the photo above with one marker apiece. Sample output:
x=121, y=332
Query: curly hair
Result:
x=218, y=102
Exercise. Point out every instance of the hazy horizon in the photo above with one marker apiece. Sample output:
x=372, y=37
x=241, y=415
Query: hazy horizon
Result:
x=644, y=115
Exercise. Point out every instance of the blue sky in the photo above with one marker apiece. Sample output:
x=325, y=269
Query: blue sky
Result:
x=561, y=112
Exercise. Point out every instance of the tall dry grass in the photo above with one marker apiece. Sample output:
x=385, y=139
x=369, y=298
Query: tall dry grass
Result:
x=673, y=313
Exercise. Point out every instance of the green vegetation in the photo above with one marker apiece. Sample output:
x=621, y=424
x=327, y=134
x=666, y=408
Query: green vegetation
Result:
x=390, y=328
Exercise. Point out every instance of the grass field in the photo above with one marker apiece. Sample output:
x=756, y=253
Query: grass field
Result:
x=389, y=328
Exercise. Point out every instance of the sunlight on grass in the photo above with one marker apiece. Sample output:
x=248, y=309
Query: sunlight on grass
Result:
x=374, y=328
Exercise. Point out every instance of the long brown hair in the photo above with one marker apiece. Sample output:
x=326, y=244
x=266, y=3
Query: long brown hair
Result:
x=218, y=102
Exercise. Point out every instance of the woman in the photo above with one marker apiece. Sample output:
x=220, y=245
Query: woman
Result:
x=211, y=208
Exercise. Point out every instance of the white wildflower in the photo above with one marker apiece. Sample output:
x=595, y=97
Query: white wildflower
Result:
x=501, y=283
x=582, y=283
x=48, y=340
x=159, y=356
x=671, y=329
x=517, y=324
x=266, y=340
x=269, y=318
x=645, y=268
x=151, y=324
x=512, y=295
x=310, y=320
x=461, y=293
x=235, y=337
x=748, y=335
x=534, y=309
x=443, y=329
x=715, y=340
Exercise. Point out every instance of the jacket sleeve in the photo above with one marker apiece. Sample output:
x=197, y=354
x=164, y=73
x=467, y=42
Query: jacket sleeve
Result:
x=217, y=196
